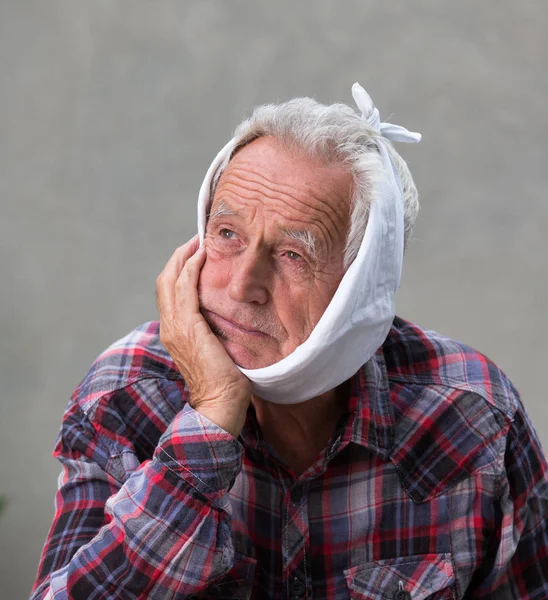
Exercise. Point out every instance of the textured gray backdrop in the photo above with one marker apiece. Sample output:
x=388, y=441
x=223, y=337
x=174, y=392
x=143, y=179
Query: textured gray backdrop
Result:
x=110, y=113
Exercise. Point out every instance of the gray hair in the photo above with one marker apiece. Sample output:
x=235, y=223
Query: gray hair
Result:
x=334, y=134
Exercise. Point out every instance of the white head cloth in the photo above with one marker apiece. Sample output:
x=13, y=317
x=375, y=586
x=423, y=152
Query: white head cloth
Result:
x=358, y=318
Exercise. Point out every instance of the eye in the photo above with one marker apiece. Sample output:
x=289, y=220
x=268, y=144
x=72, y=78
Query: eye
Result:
x=227, y=234
x=293, y=255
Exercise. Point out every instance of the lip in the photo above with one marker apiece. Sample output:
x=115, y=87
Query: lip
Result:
x=225, y=323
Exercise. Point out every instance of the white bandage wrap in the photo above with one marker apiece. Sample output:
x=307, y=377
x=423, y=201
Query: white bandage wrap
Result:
x=359, y=316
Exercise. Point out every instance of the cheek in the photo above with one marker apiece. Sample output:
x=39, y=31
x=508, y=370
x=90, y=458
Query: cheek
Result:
x=215, y=274
x=294, y=307
x=303, y=306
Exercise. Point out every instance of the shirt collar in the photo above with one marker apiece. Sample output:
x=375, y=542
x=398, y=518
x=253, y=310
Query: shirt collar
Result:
x=368, y=420
x=370, y=416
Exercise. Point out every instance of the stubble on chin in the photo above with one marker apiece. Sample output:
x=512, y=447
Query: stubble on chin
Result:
x=245, y=356
x=252, y=355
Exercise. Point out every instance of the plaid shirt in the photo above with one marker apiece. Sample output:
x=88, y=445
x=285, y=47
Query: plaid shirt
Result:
x=433, y=485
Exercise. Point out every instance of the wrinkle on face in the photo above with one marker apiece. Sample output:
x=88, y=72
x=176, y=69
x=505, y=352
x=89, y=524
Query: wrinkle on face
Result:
x=302, y=203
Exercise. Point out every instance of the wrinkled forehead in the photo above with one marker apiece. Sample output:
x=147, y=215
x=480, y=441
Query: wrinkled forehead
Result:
x=297, y=192
x=285, y=163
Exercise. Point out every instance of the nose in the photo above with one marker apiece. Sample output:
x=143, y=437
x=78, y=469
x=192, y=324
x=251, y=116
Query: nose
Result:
x=249, y=277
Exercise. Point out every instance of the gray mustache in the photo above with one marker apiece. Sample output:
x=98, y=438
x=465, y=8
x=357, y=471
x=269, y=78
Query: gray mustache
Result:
x=258, y=319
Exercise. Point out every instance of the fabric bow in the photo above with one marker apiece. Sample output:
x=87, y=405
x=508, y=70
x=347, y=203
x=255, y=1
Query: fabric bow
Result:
x=371, y=115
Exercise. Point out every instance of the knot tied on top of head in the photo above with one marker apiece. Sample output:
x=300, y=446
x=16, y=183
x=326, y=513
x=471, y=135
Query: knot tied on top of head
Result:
x=358, y=318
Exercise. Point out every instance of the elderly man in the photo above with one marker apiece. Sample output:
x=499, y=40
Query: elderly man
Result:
x=279, y=433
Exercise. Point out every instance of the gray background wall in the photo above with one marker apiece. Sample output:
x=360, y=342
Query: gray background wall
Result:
x=110, y=112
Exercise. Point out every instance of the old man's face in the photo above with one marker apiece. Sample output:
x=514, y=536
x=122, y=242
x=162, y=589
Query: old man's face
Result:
x=275, y=244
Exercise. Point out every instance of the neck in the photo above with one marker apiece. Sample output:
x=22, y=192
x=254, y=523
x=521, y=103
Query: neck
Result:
x=299, y=432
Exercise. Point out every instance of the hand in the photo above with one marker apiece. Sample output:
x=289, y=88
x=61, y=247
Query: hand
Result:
x=218, y=389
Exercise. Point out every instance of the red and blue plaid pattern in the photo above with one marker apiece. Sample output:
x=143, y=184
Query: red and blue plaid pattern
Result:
x=433, y=485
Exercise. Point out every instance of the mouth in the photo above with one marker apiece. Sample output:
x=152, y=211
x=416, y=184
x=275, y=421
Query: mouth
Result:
x=224, y=325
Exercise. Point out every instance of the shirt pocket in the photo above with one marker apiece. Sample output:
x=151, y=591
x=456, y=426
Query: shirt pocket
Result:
x=419, y=577
x=237, y=584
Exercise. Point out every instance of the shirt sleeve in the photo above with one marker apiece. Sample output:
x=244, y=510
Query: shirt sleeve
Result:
x=519, y=561
x=129, y=529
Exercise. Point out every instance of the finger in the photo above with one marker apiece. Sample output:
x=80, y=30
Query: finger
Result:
x=178, y=259
x=186, y=294
x=166, y=281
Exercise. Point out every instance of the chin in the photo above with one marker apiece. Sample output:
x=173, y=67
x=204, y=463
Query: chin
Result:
x=245, y=357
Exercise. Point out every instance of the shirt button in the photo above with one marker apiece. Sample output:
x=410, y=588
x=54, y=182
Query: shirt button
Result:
x=296, y=494
x=297, y=588
x=402, y=595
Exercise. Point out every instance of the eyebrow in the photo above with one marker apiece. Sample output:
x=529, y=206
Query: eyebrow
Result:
x=222, y=210
x=305, y=238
